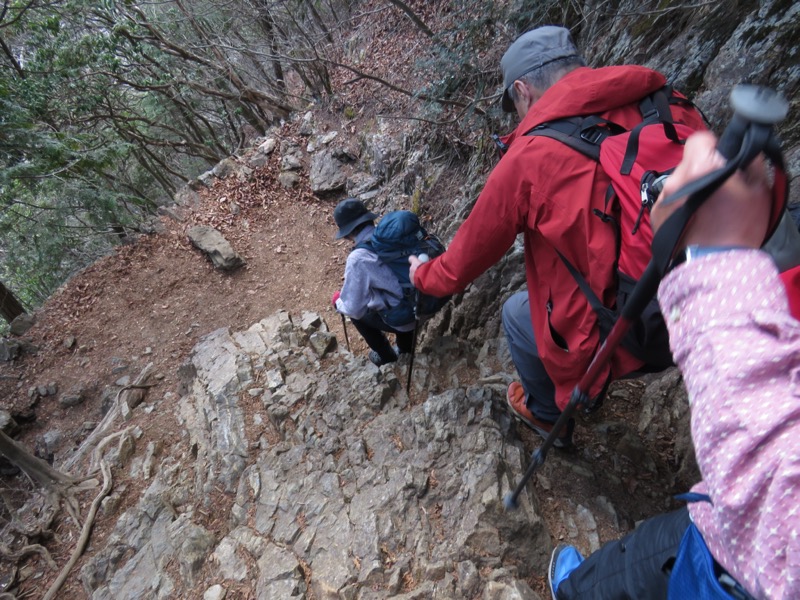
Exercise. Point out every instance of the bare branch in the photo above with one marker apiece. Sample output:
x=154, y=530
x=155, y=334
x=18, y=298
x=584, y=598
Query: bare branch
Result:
x=413, y=16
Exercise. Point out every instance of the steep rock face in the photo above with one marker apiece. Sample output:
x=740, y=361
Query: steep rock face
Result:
x=304, y=471
x=298, y=473
x=706, y=51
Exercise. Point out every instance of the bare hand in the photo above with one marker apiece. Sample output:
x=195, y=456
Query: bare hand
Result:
x=415, y=263
x=736, y=215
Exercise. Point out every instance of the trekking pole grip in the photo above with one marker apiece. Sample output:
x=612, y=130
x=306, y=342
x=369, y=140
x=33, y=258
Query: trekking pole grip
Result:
x=752, y=105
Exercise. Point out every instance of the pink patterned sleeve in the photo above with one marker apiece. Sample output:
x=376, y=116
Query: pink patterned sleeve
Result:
x=739, y=350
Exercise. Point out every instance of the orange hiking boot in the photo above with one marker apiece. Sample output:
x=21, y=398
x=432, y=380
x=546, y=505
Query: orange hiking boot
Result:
x=515, y=397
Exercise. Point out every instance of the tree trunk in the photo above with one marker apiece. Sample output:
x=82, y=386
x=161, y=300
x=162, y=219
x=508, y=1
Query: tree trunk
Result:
x=35, y=468
x=268, y=25
x=10, y=307
x=413, y=16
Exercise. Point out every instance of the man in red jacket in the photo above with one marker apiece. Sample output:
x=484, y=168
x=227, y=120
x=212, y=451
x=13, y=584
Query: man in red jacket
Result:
x=547, y=192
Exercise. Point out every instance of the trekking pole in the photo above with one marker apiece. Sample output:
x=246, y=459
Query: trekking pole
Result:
x=749, y=133
x=346, y=339
x=423, y=258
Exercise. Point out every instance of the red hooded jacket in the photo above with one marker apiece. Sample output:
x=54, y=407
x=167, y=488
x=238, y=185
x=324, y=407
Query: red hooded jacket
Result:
x=546, y=191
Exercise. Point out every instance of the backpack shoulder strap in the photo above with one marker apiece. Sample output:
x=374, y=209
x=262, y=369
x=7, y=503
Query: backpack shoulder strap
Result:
x=594, y=301
x=654, y=108
x=583, y=134
x=365, y=245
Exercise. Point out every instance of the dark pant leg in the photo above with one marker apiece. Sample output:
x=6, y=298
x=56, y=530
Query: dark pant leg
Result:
x=370, y=327
x=405, y=341
x=536, y=382
x=632, y=567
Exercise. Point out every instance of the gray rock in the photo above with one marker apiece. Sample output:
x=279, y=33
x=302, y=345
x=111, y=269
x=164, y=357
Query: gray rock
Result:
x=152, y=451
x=262, y=152
x=468, y=578
x=327, y=173
x=176, y=213
x=52, y=440
x=360, y=183
x=322, y=342
x=268, y=146
x=328, y=137
x=230, y=565
x=211, y=241
x=516, y=590
x=311, y=322
x=9, y=349
x=307, y=124
x=72, y=399
x=386, y=154
x=206, y=179
x=186, y=196
x=231, y=167
x=280, y=575
x=288, y=179
x=291, y=156
x=291, y=162
x=257, y=159
x=7, y=423
x=215, y=592
x=21, y=324
x=355, y=490
x=194, y=547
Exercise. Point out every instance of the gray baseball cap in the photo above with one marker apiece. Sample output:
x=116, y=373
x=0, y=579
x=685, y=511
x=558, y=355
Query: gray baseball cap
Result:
x=532, y=50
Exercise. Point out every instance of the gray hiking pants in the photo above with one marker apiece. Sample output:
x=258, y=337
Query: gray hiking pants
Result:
x=541, y=393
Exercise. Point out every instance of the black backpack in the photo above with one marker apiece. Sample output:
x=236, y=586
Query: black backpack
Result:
x=397, y=236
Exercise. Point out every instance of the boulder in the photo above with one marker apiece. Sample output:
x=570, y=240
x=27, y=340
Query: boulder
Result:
x=328, y=173
x=9, y=349
x=22, y=323
x=7, y=423
x=231, y=167
x=218, y=249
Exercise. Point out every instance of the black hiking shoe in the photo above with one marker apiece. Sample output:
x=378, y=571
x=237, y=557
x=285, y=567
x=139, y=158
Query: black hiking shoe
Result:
x=376, y=359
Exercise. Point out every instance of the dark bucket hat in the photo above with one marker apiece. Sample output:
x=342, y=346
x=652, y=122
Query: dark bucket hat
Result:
x=349, y=214
x=532, y=50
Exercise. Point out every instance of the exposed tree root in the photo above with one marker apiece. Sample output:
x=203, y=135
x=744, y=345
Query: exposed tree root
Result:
x=98, y=452
x=61, y=488
x=101, y=431
x=84, y=538
x=6, y=552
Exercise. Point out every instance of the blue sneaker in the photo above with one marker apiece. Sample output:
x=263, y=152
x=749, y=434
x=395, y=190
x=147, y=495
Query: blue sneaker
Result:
x=563, y=561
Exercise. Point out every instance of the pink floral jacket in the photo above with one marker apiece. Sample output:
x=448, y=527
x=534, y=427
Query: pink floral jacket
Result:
x=739, y=350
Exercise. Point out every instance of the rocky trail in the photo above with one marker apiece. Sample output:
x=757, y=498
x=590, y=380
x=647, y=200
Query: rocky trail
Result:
x=261, y=458
x=267, y=461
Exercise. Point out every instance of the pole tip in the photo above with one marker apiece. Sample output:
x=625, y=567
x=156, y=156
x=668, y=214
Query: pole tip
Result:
x=509, y=502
